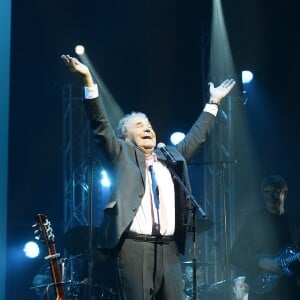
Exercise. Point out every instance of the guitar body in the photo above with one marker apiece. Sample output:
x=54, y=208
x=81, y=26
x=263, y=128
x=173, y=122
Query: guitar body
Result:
x=45, y=233
x=265, y=281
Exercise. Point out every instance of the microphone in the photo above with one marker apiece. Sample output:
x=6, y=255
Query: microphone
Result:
x=164, y=150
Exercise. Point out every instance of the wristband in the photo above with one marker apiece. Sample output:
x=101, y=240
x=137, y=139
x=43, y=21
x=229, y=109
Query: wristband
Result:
x=215, y=103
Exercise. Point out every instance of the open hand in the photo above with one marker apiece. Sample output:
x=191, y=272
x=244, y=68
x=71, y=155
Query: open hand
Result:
x=219, y=92
x=77, y=67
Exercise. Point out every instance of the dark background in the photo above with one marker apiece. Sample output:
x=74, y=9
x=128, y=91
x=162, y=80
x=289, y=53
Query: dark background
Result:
x=149, y=54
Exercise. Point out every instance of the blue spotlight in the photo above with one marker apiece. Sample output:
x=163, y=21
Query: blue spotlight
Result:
x=177, y=137
x=247, y=76
x=31, y=249
x=105, y=179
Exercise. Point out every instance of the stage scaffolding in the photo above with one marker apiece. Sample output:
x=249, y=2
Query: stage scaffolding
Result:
x=219, y=197
x=76, y=141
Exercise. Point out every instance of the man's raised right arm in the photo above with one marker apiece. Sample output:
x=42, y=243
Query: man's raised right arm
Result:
x=77, y=67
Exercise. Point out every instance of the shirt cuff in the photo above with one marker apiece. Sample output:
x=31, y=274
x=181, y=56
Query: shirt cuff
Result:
x=211, y=108
x=91, y=92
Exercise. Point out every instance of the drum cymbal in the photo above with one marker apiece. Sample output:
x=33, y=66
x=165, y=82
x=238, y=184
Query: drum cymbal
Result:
x=76, y=242
x=219, y=287
x=198, y=263
x=201, y=225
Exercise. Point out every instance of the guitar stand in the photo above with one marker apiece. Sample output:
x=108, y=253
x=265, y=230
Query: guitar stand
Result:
x=62, y=283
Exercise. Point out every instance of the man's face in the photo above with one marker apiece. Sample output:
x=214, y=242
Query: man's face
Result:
x=274, y=199
x=240, y=289
x=189, y=273
x=141, y=134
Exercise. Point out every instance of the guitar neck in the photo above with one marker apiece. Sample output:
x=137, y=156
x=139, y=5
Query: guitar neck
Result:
x=45, y=232
x=292, y=258
x=55, y=272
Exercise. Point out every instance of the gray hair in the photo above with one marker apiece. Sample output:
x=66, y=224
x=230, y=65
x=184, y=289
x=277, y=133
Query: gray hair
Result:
x=122, y=129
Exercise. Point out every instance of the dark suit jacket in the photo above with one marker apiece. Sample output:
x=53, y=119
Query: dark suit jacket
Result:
x=127, y=163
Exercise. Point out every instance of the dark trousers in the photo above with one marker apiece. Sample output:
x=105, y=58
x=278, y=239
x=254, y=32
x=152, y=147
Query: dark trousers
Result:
x=149, y=271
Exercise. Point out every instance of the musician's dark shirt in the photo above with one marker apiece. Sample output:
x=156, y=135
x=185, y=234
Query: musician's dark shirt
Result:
x=263, y=235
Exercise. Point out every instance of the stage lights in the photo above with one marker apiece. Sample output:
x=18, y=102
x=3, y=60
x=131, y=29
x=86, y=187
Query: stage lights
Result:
x=247, y=76
x=31, y=249
x=177, y=137
x=79, y=50
x=105, y=182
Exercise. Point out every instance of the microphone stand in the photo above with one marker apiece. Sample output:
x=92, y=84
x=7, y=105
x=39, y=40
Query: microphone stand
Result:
x=196, y=208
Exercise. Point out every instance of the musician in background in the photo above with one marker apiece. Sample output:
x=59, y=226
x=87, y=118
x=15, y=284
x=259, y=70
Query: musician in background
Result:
x=240, y=288
x=263, y=238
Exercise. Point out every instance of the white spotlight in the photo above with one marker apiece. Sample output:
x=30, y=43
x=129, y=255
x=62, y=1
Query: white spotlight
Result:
x=79, y=50
x=105, y=179
x=177, y=137
x=247, y=76
x=31, y=249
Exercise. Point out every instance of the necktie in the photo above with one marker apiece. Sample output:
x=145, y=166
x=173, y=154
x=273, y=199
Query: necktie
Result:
x=155, y=195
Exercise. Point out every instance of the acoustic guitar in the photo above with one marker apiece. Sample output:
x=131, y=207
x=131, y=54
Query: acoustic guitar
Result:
x=44, y=232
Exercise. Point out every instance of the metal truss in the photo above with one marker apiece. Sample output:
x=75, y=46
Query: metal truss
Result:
x=219, y=195
x=76, y=141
